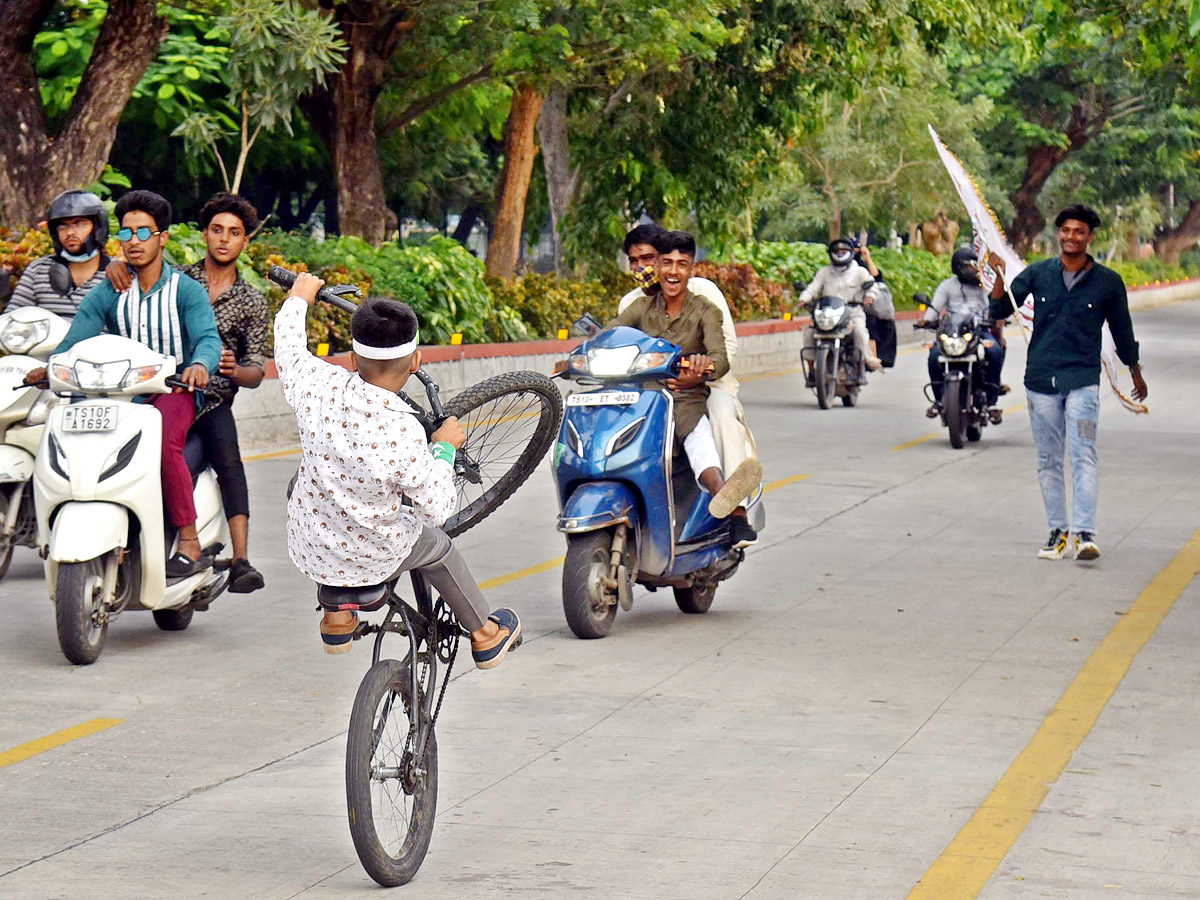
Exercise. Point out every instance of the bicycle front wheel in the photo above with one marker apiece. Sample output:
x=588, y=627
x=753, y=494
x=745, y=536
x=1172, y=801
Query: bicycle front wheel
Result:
x=391, y=796
x=510, y=421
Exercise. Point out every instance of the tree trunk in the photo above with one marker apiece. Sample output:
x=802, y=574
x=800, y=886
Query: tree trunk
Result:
x=466, y=222
x=343, y=114
x=520, y=148
x=562, y=180
x=35, y=166
x=1028, y=221
x=1169, y=243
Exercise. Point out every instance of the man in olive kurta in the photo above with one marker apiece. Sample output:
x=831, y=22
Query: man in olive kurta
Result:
x=677, y=315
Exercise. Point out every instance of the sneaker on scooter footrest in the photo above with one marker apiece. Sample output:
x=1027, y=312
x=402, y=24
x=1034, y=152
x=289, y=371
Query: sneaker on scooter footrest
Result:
x=742, y=532
x=492, y=654
x=935, y=410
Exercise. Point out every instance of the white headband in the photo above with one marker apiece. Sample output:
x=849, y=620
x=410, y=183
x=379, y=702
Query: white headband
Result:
x=399, y=352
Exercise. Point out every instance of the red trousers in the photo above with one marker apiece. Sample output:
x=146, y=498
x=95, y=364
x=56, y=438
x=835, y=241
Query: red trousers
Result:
x=178, y=411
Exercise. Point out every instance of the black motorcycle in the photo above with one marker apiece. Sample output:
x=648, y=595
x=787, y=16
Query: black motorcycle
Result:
x=960, y=341
x=837, y=368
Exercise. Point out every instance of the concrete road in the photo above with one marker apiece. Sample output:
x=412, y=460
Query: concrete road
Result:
x=891, y=667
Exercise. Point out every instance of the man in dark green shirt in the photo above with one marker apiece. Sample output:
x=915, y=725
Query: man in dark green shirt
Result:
x=1073, y=297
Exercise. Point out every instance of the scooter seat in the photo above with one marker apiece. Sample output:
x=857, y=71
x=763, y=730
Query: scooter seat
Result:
x=366, y=598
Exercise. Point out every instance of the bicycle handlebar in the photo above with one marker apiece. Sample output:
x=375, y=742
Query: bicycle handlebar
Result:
x=334, y=297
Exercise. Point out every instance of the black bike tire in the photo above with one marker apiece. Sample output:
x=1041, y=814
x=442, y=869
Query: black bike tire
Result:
x=824, y=394
x=79, y=640
x=955, y=414
x=389, y=871
x=543, y=437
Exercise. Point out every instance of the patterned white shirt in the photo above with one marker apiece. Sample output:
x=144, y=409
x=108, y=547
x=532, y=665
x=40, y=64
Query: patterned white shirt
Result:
x=363, y=449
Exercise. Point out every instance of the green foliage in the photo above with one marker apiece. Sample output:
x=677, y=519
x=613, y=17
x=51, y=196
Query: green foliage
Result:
x=1137, y=273
x=547, y=303
x=750, y=295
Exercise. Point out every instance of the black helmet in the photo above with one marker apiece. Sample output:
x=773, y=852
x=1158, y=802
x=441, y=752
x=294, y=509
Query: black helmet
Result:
x=70, y=204
x=841, y=252
x=965, y=265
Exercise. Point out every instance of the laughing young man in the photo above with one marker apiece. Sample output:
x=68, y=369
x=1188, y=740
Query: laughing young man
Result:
x=1073, y=296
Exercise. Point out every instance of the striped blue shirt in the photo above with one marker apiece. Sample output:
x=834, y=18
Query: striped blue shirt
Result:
x=174, y=318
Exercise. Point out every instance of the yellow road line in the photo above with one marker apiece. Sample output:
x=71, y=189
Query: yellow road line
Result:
x=965, y=866
x=920, y=440
x=522, y=573
x=745, y=378
x=274, y=454
x=49, y=742
x=783, y=482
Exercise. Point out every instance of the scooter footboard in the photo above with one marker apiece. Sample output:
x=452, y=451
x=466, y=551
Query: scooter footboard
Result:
x=598, y=504
x=84, y=531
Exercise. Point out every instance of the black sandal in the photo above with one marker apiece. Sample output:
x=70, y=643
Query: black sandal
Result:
x=180, y=566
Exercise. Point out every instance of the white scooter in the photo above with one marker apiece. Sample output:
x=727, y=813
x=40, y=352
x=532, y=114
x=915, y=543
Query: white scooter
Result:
x=28, y=335
x=98, y=492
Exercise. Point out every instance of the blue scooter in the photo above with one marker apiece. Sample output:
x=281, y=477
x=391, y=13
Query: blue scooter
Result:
x=632, y=512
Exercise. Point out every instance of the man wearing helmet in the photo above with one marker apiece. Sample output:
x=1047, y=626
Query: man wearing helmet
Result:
x=962, y=293
x=844, y=278
x=78, y=225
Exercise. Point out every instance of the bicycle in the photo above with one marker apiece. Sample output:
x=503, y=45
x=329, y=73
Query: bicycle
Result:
x=510, y=421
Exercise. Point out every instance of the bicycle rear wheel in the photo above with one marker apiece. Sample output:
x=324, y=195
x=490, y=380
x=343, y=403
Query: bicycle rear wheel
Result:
x=510, y=420
x=391, y=797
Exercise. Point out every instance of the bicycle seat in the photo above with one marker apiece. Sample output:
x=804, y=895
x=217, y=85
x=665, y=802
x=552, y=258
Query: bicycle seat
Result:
x=367, y=598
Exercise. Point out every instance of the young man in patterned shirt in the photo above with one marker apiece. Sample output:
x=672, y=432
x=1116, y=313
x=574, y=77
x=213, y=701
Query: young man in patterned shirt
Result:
x=227, y=221
x=364, y=454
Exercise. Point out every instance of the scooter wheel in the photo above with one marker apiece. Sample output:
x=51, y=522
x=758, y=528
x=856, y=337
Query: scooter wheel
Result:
x=695, y=599
x=77, y=599
x=589, y=612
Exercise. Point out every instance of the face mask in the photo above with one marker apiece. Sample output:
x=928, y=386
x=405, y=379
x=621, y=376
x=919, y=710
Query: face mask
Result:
x=79, y=257
x=646, y=278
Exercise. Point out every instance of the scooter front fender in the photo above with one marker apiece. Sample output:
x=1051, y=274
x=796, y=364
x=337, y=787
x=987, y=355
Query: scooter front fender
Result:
x=16, y=465
x=599, y=504
x=86, y=530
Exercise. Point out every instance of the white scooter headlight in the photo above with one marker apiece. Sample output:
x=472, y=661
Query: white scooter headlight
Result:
x=611, y=361
x=107, y=376
x=21, y=337
x=953, y=345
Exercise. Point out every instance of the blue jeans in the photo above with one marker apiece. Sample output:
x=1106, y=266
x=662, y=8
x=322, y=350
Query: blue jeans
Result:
x=1069, y=418
x=993, y=363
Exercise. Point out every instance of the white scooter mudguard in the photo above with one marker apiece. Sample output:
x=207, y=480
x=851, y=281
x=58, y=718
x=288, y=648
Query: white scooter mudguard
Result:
x=16, y=464
x=86, y=530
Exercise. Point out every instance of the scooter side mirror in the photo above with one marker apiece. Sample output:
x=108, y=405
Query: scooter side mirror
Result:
x=586, y=325
x=921, y=299
x=799, y=286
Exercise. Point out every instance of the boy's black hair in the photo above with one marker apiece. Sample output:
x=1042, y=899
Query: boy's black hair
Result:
x=1080, y=213
x=675, y=240
x=642, y=234
x=383, y=322
x=225, y=202
x=154, y=205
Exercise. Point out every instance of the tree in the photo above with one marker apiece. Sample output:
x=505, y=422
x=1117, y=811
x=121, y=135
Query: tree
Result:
x=39, y=160
x=278, y=51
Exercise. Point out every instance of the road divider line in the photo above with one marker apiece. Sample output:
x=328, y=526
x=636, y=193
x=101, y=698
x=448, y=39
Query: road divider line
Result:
x=274, y=454
x=49, y=742
x=969, y=861
x=783, y=482
x=745, y=378
x=522, y=573
x=920, y=440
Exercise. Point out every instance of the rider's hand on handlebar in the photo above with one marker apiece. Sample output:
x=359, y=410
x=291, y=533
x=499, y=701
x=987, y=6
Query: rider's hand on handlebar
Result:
x=195, y=377
x=449, y=432
x=691, y=372
x=119, y=275
x=35, y=375
x=306, y=287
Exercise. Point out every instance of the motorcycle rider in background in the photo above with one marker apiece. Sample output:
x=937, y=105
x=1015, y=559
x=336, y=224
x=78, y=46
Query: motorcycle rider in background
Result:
x=843, y=278
x=78, y=224
x=962, y=293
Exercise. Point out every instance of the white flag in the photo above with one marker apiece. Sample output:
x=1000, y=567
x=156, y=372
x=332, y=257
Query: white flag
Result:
x=989, y=236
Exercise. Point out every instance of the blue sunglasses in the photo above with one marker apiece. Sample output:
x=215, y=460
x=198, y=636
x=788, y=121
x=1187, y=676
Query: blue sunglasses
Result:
x=143, y=233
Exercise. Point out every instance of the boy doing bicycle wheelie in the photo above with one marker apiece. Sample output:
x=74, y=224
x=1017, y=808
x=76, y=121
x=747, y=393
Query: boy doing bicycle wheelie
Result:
x=364, y=453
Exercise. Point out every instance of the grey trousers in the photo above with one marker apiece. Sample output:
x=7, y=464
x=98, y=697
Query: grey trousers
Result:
x=446, y=571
